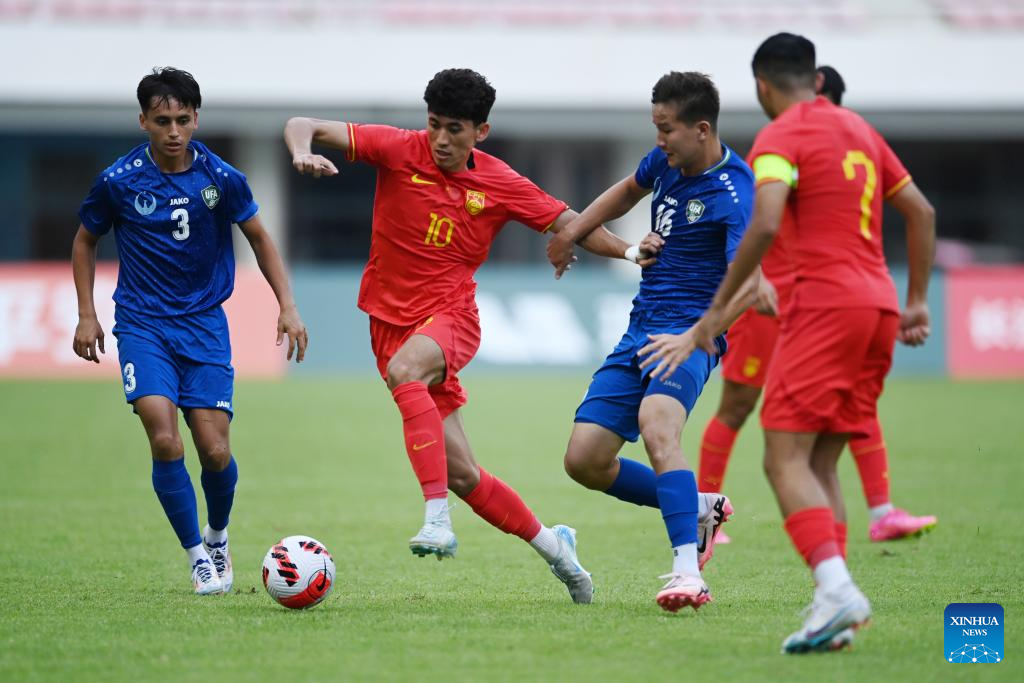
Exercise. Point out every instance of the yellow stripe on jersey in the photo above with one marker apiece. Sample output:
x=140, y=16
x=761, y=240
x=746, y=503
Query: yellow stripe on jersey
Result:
x=774, y=167
x=898, y=186
x=351, y=142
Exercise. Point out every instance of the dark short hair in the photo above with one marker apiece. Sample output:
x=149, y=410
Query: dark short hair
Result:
x=833, y=86
x=786, y=61
x=166, y=83
x=693, y=93
x=460, y=94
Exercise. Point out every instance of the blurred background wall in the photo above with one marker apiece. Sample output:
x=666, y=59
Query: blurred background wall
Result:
x=939, y=78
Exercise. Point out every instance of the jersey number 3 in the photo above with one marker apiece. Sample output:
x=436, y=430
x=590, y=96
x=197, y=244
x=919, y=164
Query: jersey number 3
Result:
x=181, y=233
x=855, y=158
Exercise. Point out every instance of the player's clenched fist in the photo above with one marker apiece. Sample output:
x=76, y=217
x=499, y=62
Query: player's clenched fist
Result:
x=315, y=165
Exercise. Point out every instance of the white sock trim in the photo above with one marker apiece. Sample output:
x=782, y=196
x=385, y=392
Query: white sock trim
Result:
x=879, y=511
x=196, y=553
x=684, y=559
x=546, y=544
x=831, y=573
x=437, y=508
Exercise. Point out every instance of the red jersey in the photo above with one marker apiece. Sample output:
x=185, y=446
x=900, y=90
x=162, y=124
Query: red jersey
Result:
x=840, y=170
x=432, y=229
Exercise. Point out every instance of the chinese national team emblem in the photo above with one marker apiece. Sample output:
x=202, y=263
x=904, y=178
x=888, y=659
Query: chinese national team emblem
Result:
x=694, y=210
x=211, y=195
x=474, y=202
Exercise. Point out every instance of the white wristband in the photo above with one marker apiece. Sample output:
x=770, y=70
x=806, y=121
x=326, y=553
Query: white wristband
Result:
x=633, y=253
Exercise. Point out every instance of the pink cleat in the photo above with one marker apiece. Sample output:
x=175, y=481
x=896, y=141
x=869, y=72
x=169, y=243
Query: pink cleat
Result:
x=709, y=527
x=723, y=538
x=899, y=523
x=683, y=591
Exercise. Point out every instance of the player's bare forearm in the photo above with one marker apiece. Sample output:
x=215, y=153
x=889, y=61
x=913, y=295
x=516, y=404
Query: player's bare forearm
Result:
x=268, y=258
x=299, y=135
x=289, y=322
x=613, y=203
x=83, y=268
x=605, y=243
x=919, y=216
x=741, y=301
x=88, y=333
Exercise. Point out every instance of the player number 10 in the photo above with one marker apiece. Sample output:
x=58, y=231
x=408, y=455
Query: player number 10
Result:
x=855, y=158
x=440, y=231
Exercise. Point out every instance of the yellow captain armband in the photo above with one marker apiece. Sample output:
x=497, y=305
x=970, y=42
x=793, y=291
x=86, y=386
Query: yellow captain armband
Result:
x=774, y=167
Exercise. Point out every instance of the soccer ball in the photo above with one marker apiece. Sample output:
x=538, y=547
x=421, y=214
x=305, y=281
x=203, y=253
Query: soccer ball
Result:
x=298, y=572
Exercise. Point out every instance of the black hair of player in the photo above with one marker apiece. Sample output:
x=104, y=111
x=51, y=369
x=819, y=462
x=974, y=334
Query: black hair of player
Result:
x=166, y=83
x=787, y=61
x=693, y=93
x=460, y=94
x=833, y=86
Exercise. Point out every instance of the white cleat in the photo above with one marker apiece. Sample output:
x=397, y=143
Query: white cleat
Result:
x=831, y=620
x=568, y=569
x=205, y=579
x=683, y=590
x=221, y=558
x=435, y=538
x=710, y=526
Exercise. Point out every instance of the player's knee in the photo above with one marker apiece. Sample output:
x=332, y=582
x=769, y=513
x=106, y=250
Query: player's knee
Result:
x=734, y=413
x=215, y=456
x=166, y=445
x=583, y=470
x=401, y=371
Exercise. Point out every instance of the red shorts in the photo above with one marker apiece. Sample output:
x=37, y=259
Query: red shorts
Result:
x=456, y=331
x=751, y=344
x=828, y=371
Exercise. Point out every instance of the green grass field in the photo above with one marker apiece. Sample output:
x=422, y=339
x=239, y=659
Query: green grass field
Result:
x=94, y=586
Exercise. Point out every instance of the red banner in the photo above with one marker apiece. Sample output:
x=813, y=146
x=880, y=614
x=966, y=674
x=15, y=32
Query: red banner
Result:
x=985, y=318
x=39, y=313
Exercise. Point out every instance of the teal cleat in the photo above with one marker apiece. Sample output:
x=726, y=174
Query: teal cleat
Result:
x=568, y=569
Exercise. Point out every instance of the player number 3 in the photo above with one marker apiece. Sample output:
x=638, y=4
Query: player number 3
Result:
x=180, y=215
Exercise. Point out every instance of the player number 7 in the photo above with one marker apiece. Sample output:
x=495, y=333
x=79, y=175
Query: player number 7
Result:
x=855, y=158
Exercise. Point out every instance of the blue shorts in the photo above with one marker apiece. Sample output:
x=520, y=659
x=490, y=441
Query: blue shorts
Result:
x=186, y=358
x=618, y=387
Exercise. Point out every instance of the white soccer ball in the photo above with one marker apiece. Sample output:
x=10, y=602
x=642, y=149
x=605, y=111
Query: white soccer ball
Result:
x=298, y=572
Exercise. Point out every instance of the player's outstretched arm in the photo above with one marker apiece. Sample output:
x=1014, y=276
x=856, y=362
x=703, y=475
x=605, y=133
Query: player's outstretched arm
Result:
x=917, y=211
x=289, y=322
x=769, y=202
x=603, y=242
x=89, y=332
x=613, y=203
x=299, y=135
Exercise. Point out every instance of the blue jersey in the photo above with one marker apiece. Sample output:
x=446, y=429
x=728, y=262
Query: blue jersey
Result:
x=702, y=219
x=173, y=230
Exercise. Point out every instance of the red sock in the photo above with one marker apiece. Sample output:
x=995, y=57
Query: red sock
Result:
x=872, y=460
x=424, y=437
x=813, y=532
x=715, y=449
x=501, y=506
x=841, y=538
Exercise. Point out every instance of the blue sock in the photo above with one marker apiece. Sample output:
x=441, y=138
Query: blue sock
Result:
x=637, y=483
x=219, y=488
x=677, y=493
x=174, y=489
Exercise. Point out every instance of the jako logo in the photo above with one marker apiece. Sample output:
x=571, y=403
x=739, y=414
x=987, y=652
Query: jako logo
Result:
x=973, y=633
